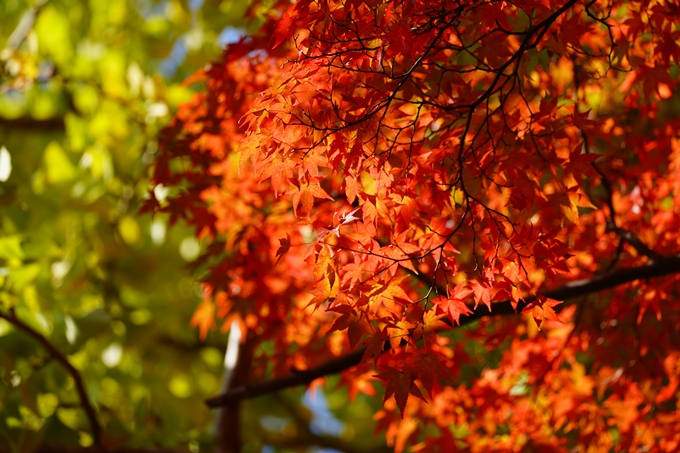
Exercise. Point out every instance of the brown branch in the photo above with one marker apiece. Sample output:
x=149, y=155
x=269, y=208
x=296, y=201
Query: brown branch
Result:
x=61, y=358
x=612, y=225
x=228, y=426
x=637, y=243
x=33, y=124
x=578, y=288
x=292, y=380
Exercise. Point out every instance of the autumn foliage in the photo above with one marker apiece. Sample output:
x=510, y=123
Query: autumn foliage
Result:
x=470, y=207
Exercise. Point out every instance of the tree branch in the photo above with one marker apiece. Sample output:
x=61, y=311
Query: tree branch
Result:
x=637, y=244
x=61, y=358
x=612, y=225
x=33, y=124
x=237, y=370
x=656, y=268
x=292, y=380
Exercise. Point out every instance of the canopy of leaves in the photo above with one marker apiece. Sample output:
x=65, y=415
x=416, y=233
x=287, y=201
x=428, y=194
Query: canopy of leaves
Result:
x=95, y=300
x=461, y=217
x=473, y=205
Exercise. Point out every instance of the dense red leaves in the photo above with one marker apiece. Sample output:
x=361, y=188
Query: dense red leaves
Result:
x=371, y=172
x=542, y=309
x=455, y=304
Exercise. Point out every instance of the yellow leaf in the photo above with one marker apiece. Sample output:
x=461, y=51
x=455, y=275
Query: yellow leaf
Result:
x=128, y=229
x=58, y=167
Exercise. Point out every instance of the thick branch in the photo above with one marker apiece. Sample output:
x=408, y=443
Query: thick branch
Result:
x=578, y=288
x=237, y=370
x=292, y=380
x=61, y=358
x=32, y=124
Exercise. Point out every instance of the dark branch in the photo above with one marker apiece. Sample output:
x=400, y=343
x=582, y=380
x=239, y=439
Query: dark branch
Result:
x=612, y=225
x=637, y=244
x=32, y=124
x=292, y=380
x=578, y=288
x=61, y=358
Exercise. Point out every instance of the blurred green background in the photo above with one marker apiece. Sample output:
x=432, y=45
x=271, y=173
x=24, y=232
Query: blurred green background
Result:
x=85, y=88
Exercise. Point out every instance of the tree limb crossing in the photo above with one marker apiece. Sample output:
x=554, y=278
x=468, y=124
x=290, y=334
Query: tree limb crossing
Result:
x=656, y=268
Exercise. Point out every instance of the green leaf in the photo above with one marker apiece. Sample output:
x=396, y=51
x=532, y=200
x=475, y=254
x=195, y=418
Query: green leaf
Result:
x=58, y=167
x=10, y=247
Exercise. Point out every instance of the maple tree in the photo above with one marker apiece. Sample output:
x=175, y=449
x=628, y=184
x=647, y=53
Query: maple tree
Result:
x=463, y=212
x=471, y=206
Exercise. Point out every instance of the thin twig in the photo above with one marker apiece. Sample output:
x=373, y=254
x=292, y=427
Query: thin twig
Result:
x=61, y=358
x=637, y=244
x=612, y=225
